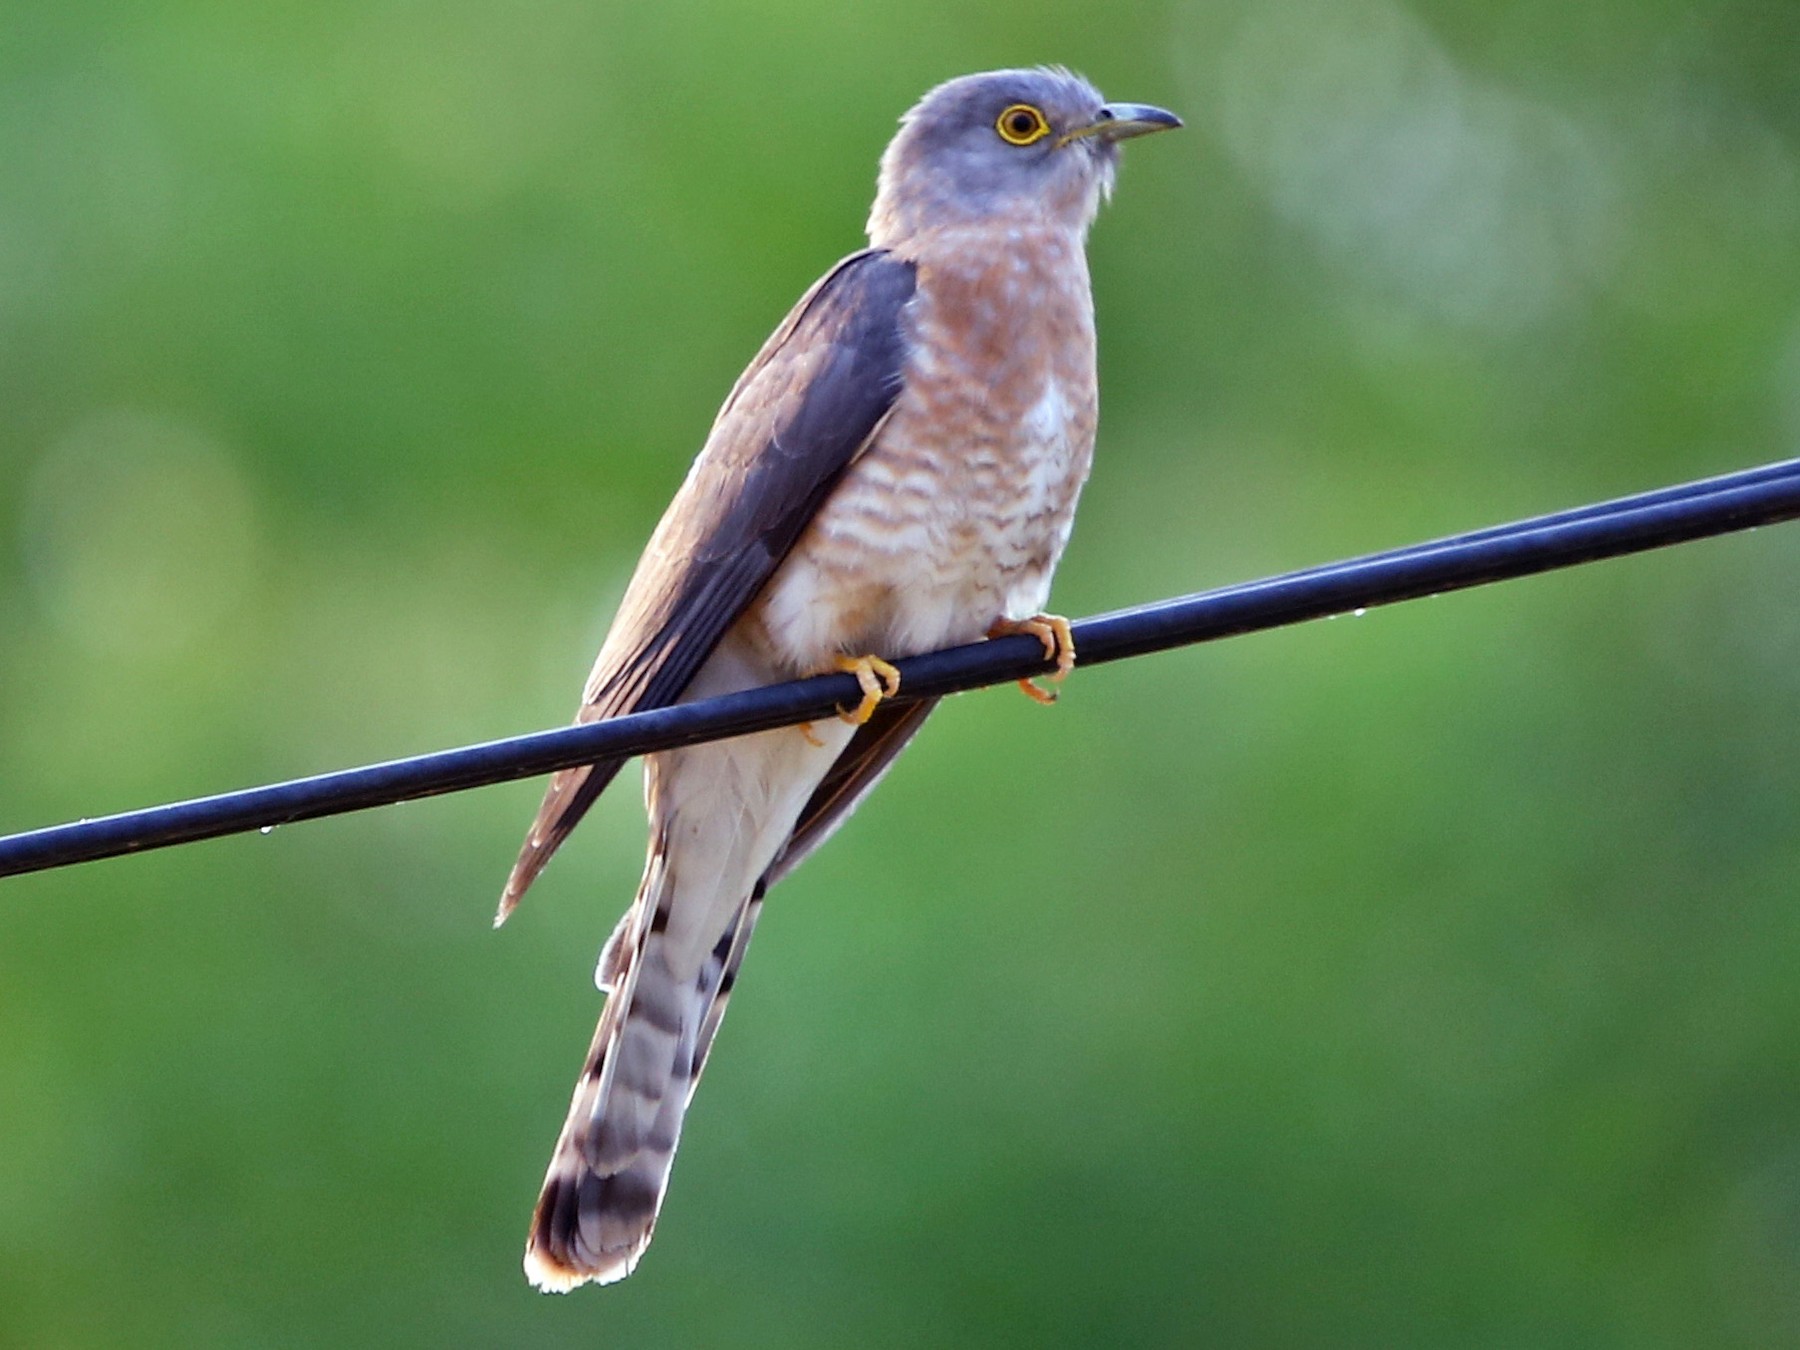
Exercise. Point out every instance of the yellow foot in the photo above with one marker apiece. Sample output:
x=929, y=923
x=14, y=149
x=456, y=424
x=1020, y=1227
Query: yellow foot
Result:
x=1059, y=646
x=878, y=679
x=812, y=737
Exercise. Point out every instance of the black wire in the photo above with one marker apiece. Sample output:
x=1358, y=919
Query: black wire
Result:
x=1650, y=520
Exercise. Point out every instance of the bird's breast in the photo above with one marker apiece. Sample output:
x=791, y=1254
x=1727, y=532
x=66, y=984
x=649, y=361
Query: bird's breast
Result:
x=958, y=511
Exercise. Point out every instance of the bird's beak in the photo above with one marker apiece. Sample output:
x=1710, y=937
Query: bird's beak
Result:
x=1122, y=121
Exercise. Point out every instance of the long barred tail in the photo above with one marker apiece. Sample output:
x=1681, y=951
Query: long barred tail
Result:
x=611, y=1165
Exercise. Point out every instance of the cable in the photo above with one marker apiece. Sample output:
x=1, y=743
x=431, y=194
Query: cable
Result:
x=1671, y=515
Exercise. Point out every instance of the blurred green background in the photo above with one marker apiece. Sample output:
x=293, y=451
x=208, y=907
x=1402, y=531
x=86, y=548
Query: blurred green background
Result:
x=1423, y=979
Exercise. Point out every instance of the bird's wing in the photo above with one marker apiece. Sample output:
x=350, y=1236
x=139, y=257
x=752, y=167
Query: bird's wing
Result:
x=852, y=777
x=797, y=417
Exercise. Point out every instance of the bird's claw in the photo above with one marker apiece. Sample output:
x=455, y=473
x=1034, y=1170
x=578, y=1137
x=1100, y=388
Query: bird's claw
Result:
x=1059, y=646
x=879, y=679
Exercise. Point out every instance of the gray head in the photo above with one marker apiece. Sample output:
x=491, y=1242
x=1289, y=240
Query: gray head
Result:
x=1032, y=146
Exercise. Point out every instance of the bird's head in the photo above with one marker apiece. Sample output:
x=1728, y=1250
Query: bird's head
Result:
x=1024, y=146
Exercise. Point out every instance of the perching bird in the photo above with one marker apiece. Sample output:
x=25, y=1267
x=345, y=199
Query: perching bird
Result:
x=895, y=472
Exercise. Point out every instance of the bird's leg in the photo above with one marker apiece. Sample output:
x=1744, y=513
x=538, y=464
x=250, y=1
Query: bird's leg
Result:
x=878, y=679
x=812, y=737
x=1059, y=646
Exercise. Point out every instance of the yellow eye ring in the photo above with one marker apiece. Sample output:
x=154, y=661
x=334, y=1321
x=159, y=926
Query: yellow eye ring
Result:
x=1022, y=124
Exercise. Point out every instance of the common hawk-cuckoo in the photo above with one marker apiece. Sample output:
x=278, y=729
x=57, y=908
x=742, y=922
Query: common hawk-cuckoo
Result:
x=895, y=472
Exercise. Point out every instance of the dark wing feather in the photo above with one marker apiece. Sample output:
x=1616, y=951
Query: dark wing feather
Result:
x=852, y=777
x=797, y=417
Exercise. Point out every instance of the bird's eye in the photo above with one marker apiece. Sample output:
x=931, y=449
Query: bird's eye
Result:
x=1021, y=124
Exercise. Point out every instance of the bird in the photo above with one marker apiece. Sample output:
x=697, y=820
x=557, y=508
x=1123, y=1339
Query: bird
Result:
x=896, y=471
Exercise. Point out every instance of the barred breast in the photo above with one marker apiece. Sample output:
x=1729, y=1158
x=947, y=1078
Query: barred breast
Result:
x=959, y=510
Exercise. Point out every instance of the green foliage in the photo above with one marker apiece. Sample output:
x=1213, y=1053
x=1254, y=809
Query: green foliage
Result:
x=1420, y=979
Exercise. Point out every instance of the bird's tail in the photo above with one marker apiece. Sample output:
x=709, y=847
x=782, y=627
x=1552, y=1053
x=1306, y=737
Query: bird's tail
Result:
x=611, y=1164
